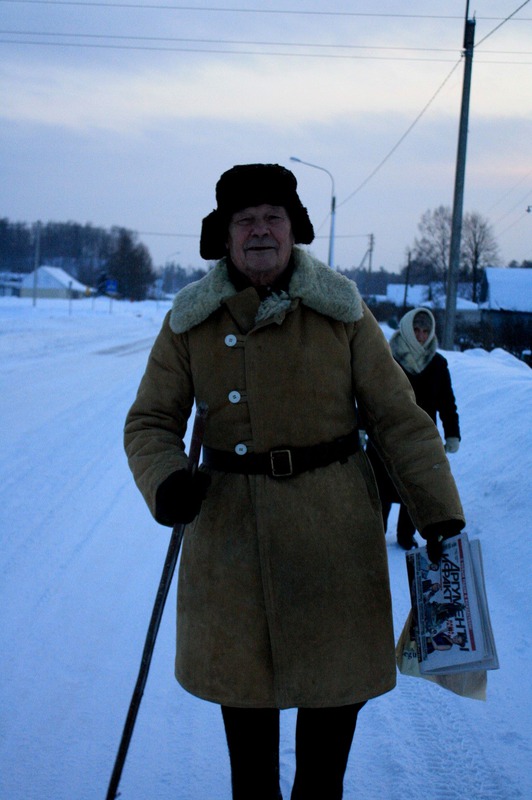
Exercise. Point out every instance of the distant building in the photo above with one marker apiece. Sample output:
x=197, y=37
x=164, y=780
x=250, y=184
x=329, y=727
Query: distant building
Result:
x=10, y=283
x=399, y=299
x=506, y=289
x=414, y=294
x=506, y=308
x=52, y=282
x=429, y=295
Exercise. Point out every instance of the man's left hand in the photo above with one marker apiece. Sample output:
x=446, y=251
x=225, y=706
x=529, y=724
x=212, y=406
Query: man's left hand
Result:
x=435, y=535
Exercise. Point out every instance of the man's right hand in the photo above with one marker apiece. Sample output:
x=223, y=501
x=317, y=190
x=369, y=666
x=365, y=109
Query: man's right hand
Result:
x=180, y=496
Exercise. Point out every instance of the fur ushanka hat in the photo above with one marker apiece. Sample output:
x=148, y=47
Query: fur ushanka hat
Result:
x=247, y=185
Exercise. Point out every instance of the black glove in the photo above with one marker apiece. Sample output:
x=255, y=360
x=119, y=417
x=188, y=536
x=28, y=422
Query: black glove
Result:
x=436, y=533
x=180, y=496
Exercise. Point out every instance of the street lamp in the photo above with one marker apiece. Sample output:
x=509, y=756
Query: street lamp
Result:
x=333, y=205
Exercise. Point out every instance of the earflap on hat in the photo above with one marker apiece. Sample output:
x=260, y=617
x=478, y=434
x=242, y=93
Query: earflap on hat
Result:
x=213, y=236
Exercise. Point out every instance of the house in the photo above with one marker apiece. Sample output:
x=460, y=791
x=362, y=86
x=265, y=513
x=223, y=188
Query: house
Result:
x=506, y=308
x=10, y=283
x=400, y=298
x=52, y=282
x=390, y=307
x=409, y=296
x=430, y=295
x=506, y=289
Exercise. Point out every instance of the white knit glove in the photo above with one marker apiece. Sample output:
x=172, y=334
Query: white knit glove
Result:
x=452, y=444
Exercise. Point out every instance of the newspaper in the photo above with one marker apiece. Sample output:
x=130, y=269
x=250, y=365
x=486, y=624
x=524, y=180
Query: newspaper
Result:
x=451, y=621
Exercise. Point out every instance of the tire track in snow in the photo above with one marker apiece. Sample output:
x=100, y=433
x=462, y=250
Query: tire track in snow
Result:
x=431, y=749
x=127, y=349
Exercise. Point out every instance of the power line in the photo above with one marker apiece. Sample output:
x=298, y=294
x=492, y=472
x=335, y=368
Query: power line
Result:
x=502, y=23
x=215, y=51
x=521, y=201
x=227, y=52
x=252, y=42
x=511, y=225
x=186, y=40
x=195, y=235
x=173, y=235
x=505, y=195
x=403, y=137
x=283, y=11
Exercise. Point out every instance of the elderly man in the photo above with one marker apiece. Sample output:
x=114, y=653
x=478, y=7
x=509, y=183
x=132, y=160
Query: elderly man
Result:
x=283, y=591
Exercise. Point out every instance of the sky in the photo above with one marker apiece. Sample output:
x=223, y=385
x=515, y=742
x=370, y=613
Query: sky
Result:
x=126, y=113
x=81, y=559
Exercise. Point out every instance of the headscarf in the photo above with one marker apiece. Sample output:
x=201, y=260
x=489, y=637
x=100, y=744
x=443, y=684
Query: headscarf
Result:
x=411, y=354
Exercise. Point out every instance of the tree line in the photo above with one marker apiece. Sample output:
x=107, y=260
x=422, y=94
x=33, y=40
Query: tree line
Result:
x=92, y=255
x=427, y=259
x=96, y=255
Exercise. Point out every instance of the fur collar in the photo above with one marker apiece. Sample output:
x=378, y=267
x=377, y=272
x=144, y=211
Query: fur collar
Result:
x=313, y=283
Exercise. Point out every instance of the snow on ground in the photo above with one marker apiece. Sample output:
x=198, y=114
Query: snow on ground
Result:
x=81, y=560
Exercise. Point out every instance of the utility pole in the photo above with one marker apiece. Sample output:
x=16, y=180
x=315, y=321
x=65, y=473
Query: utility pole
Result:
x=407, y=279
x=37, y=260
x=371, y=245
x=368, y=254
x=458, y=202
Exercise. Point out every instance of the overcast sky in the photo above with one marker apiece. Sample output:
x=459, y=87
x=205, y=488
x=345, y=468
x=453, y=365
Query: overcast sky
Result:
x=126, y=113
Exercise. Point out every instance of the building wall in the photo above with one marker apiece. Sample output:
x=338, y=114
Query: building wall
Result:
x=511, y=330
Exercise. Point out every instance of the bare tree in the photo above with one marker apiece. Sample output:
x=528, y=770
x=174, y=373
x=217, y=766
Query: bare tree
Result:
x=432, y=248
x=479, y=248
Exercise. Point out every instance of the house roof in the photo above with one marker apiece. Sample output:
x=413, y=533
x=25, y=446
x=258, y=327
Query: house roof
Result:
x=53, y=278
x=509, y=289
x=416, y=294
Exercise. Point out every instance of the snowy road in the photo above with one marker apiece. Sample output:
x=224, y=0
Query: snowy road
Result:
x=81, y=559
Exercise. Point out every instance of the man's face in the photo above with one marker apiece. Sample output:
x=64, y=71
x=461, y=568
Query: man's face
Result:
x=260, y=242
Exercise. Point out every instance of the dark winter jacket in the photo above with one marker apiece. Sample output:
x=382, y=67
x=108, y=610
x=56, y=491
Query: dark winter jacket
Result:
x=428, y=373
x=434, y=393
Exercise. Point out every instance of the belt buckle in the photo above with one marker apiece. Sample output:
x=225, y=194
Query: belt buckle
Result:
x=281, y=463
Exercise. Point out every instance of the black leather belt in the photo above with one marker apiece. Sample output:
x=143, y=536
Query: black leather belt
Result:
x=282, y=462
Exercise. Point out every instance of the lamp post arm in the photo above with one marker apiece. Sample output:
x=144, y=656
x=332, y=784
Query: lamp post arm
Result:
x=331, y=235
x=333, y=204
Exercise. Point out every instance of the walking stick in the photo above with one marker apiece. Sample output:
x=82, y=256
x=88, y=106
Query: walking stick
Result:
x=160, y=600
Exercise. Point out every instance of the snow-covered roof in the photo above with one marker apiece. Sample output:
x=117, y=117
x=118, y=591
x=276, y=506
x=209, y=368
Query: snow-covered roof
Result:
x=53, y=278
x=508, y=289
x=416, y=294
x=11, y=278
x=466, y=305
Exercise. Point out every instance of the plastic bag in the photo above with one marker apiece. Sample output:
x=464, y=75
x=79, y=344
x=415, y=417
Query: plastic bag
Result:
x=470, y=684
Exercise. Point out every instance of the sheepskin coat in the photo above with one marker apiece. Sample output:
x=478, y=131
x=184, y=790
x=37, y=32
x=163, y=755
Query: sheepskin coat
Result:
x=283, y=590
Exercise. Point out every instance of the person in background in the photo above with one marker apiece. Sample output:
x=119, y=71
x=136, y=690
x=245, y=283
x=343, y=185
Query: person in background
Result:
x=414, y=346
x=283, y=589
